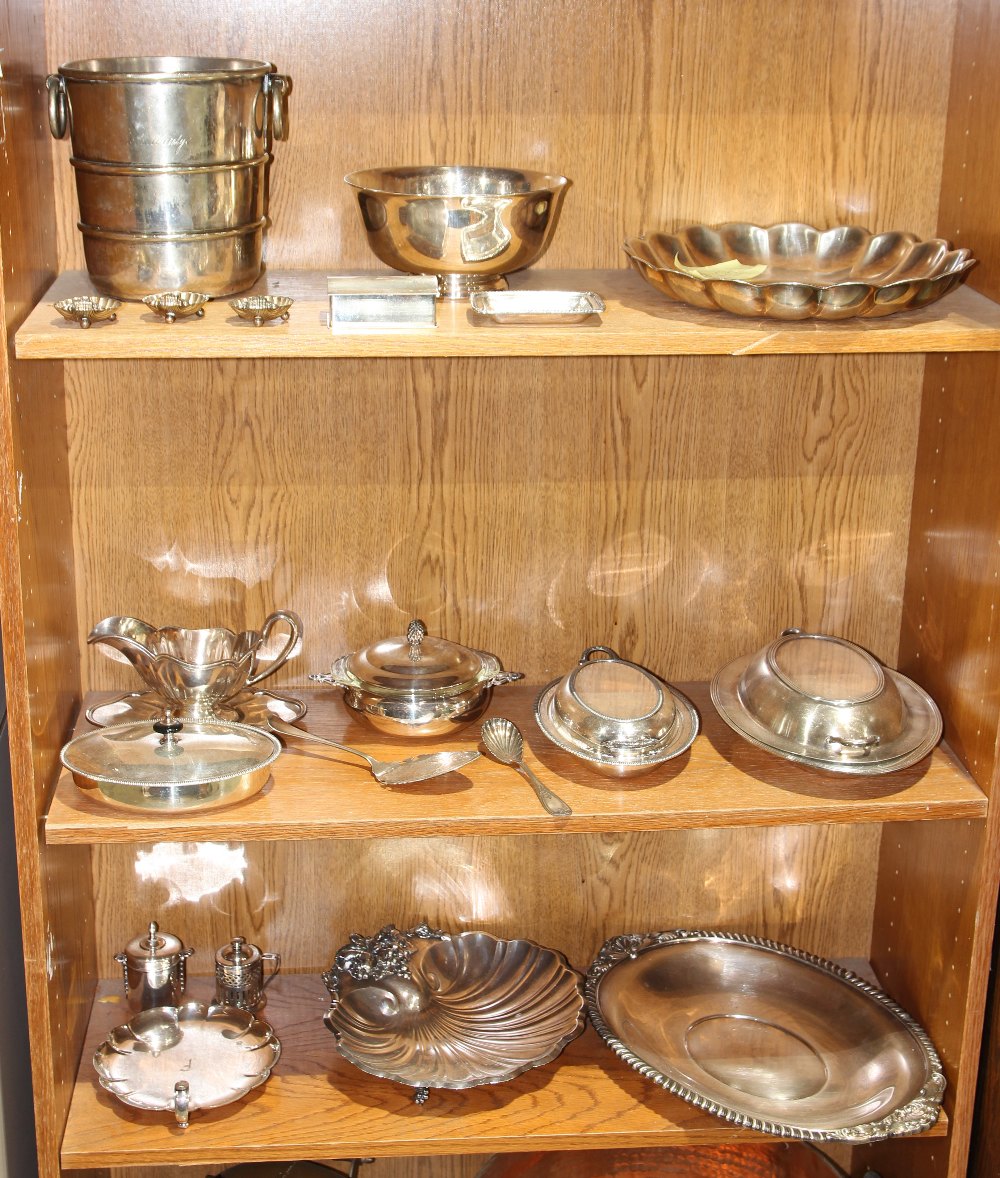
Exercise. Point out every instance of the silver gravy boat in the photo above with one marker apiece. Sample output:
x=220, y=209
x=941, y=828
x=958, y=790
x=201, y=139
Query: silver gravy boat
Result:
x=196, y=670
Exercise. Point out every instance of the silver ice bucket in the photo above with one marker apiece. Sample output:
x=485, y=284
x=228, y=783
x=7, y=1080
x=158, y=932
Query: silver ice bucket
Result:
x=171, y=156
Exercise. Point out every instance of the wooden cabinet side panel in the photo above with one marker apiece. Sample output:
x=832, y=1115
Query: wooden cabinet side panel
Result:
x=41, y=647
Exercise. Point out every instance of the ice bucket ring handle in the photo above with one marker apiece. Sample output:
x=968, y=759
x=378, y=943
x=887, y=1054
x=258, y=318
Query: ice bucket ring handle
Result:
x=58, y=106
x=278, y=87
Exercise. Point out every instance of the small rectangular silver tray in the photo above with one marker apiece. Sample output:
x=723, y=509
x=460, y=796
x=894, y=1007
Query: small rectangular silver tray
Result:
x=537, y=306
x=363, y=301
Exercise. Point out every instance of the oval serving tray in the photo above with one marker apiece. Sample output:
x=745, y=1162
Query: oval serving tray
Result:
x=766, y=1036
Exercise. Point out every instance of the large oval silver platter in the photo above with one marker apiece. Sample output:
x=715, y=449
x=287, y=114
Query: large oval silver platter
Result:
x=766, y=1036
x=222, y=1053
x=437, y=1011
x=794, y=271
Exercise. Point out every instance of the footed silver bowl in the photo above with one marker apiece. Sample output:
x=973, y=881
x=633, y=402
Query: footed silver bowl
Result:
x=437, y=1011
x=468, y=226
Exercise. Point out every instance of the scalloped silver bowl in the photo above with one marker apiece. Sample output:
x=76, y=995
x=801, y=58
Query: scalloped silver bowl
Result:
x=436, y=1011
x=807, y=273
x=766, y=1036
x=219, y=1052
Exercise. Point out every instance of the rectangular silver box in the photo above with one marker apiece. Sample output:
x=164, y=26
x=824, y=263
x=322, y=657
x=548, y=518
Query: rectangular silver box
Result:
x=382, y=301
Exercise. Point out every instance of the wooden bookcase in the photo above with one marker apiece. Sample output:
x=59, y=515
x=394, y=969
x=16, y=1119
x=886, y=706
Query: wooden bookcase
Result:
x=677, y=485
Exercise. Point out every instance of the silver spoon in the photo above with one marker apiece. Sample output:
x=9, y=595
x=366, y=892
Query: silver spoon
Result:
x=417, y=768
x=503, y=740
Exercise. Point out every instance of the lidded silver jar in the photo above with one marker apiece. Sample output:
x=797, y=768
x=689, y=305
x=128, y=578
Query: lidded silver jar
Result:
x=416, y=684
x=154, y=969
x=239, y=975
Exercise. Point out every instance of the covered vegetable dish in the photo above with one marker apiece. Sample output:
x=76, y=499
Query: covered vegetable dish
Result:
x=416, y=684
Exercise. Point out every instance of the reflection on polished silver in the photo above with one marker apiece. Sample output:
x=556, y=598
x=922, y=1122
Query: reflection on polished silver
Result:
x=171, y=157
x=469, y=226
x=169, y=765
x=766, y=1036
x=198, y=670
x=249, y=707
x=616, y=715
x=824, y=702
x=87, y=309
x=183, y=1058
x=154, y=969
x=177, y=304
x=433, y=1010
x=239, y=975
x=417, y=685
x=536, y=306
x=794, y=271
x=503, y=740
x=413, y=769
x=263, y=309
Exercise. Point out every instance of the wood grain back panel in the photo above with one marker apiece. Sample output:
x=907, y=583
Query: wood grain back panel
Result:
x=682, y=511
x=809, y=886
x=659, y=113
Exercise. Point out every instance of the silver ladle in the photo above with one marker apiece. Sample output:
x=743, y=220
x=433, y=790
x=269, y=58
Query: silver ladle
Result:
x=418, y=768
x=503, y=740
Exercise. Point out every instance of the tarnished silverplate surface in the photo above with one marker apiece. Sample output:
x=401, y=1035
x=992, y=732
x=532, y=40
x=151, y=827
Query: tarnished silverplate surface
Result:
x=536, y=306
x=765, y=1036
x=220, y=1053
x=251, y=707
x=824, y=702
x=795, y=271
x=437, y=1011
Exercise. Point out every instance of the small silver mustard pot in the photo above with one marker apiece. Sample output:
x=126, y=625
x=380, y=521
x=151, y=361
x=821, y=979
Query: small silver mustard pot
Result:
x=239, y=975
x=154, y=969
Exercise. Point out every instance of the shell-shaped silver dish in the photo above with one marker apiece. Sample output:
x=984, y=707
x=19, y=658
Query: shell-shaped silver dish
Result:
x=794, y=271
x=766, y=1036
x=220, y=1052
x=436, y=1011
x=260, y=309
x=177, y=304
x=87, y=309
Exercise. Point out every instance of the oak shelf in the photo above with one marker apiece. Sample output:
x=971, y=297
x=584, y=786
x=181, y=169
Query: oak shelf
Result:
x=316, y=1105
x=638, y=321
x=316, y=793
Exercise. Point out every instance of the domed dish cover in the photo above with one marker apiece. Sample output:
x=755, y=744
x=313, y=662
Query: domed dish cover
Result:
x=825, y=702
x=183, y=1058
x=794, y=271
x=169, y=765
x=418, y=684
x=616, y=714
x=434, y=1010
x=766, y=1036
